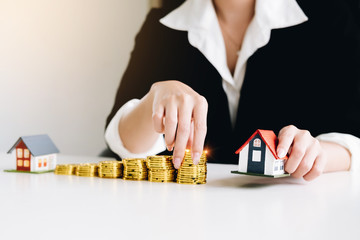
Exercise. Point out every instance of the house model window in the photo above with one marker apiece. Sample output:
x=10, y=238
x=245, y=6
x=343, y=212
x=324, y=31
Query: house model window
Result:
x=257, y=143
x=279, y=166
x=19, y=153
x=256, y=156
x=276, y=166
x=26, y=153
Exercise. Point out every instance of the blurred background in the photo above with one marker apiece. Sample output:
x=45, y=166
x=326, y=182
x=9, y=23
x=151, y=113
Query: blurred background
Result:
x=60, y=65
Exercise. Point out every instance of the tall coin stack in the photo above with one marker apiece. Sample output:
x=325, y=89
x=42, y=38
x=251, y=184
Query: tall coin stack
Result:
x=110, y=169
x=65, y=169
x=161, y=169
x=87, y=170
x=135, y=169
x=189, y=173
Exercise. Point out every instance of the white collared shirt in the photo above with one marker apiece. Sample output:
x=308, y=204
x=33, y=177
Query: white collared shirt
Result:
x=199, y=19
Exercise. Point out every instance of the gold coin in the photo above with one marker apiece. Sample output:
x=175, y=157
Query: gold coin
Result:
x=161, y=180
x=192, y=183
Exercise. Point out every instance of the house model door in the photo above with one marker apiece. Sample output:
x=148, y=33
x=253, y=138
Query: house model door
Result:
x=256, y=157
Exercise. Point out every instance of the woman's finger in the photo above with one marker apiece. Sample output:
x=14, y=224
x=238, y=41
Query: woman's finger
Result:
x=317, y=168
x=200, y=128
x=286, y=138
x=158, y=119
x=170, y=123
x=298, y=151
x=191, y=137
x=306, y=163
x=182, y=133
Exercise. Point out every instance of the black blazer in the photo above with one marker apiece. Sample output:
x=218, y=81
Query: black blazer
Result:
x=307, y=75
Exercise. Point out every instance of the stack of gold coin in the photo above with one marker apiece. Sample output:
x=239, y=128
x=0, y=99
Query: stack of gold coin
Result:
x=87, y=170
x=135, y=169
x=110, y=169
x=189, y=173
x=161, y=169
x=65, y=169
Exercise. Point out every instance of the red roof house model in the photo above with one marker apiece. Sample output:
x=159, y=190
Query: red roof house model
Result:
x=257, y=156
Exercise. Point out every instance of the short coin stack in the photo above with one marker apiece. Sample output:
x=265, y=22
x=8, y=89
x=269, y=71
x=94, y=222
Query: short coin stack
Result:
x=87, y=170
x=189, y=173
x=161, y=169
x=110, y=169
x=65, y=169
x=135, y=169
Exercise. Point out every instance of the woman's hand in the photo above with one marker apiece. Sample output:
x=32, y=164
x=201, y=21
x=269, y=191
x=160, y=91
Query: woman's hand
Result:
x=180, y=113
x=306, y=155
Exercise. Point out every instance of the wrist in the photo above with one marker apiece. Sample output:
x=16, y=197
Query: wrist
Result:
x=338, y=158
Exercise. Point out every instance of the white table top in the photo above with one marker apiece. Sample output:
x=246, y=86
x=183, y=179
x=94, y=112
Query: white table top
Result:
x=49, y=206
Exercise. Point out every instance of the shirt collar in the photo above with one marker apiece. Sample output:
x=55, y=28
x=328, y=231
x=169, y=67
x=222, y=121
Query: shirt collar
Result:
x=198, y=17
x=192, y=14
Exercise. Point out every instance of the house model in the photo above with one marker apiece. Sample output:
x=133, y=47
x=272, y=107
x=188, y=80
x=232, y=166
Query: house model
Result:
x=258, y=156
x=34, y=154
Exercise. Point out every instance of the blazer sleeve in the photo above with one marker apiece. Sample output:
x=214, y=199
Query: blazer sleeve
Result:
x=144, y=64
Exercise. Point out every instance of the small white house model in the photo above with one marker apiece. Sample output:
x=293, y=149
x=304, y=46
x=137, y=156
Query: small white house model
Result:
x=35, y=154
x=258, y=156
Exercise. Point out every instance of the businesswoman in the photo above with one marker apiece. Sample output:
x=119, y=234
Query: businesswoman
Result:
x=213, y=71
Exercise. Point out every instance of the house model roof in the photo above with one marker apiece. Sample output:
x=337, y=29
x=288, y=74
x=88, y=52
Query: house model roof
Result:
x=269, y=138
x=38, y=145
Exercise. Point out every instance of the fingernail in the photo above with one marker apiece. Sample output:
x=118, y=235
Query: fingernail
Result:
x=177, y=163
x=196, y=158
x=281, y=153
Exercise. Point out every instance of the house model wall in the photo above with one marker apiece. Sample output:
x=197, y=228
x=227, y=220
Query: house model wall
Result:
x=258, y=155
